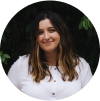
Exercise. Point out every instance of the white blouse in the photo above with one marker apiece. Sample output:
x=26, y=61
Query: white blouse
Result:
x=55, y=89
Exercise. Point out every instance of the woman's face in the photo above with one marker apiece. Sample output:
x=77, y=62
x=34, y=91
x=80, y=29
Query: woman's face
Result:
x=48, y=38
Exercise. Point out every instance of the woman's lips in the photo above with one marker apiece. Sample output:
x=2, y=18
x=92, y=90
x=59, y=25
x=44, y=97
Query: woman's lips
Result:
x=48, y=42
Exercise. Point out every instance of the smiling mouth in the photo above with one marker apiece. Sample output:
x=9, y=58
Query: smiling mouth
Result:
x=48, y=42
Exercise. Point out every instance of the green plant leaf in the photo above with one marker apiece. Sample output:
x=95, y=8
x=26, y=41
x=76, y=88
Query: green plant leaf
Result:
x=85, y=24
x=1, y=52
x=91, y=25
x=5, y=61
x=91, y=32
x=81, y=25
x=83, y=17
x=6, y=56
x=2, y=58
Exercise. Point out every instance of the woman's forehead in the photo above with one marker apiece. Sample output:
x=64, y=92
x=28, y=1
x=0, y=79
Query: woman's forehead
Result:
x=46, y=23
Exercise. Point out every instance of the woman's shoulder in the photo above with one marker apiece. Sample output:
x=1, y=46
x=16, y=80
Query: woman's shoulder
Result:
x=85, y=71
x=22, y=60
x=83, y=62
x=18, y=69
x=84, y=66
x=20, y=64
x=23, y=57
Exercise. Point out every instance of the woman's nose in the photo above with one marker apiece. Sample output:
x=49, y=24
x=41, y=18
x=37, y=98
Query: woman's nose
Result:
x=46, y=35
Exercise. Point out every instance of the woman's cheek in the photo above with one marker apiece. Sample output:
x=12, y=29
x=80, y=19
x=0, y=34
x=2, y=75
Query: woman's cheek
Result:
x=40, y=38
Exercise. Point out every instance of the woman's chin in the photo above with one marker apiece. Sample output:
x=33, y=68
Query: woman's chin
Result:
x=50, y=50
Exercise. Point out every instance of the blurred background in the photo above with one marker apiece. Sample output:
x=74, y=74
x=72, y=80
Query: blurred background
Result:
x=15, y=38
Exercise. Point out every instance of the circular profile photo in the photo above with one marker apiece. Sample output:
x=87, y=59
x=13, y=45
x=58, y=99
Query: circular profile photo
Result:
x=49, y=50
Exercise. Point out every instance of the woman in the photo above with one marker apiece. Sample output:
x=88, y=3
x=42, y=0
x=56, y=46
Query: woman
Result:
x=52, y=70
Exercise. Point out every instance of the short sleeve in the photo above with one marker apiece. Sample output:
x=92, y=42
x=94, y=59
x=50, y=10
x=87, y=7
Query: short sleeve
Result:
x=86, y=73
x=13, y=74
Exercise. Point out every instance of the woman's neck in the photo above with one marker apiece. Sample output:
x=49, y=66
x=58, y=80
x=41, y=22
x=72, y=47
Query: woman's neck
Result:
x=52, y=57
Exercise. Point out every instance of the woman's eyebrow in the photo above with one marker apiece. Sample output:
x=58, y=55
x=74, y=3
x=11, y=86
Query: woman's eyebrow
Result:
x=48, y=28
x=51, y=27
x=40, y=29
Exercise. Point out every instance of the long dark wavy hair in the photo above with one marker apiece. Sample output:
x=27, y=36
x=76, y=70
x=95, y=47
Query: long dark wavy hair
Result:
x=67, y=59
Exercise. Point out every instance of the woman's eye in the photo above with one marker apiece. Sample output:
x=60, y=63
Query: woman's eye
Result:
x=40, y=32
x=52, y=30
